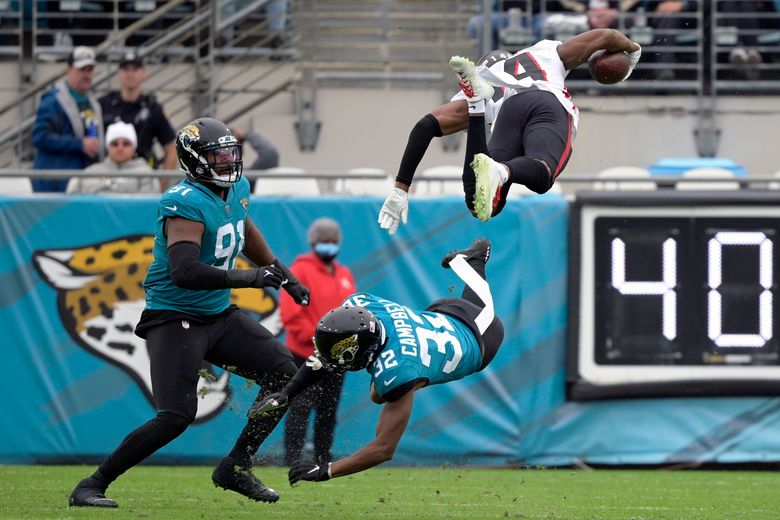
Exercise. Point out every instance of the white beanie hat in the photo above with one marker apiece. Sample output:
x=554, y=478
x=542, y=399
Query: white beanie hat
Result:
x=121, y=129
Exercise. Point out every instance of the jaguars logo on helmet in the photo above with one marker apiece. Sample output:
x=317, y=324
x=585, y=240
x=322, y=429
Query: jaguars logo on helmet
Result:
x=347, y=348
x=349, y=337
x=208, y=152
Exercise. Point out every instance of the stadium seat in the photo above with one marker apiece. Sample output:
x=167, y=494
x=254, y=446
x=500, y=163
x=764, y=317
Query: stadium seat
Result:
x=305, y=186
x=775, y=185
x=623, y=172
x=712, y=185
x=15, y=186
x=354, y=185
x=431, y=186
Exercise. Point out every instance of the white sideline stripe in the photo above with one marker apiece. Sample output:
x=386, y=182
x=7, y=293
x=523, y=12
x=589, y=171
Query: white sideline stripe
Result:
x=480, y=286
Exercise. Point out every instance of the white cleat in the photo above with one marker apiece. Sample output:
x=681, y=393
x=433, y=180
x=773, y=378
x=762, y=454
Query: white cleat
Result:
x=474, y=86
x=488, y=191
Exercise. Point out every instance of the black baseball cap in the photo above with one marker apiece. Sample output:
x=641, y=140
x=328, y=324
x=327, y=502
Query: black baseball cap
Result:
x=131, y=58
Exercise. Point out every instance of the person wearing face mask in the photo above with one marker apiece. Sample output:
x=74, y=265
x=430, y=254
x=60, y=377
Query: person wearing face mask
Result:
x=330, y=284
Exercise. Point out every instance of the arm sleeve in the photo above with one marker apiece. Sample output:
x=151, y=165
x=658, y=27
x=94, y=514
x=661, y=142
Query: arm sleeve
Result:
x=419, y=138
x=188, y=272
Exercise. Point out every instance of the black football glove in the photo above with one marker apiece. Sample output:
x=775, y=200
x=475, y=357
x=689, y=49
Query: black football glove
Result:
x=308, y=470
x=268, y=404
x=298, y=291
x=265, y=276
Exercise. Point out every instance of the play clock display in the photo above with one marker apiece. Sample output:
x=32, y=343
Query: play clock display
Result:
x=674, y=293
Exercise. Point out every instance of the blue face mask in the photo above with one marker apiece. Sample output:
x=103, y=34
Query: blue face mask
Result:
x=326, y=251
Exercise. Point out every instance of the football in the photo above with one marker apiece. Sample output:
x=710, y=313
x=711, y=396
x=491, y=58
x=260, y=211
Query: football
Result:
x=608, y=68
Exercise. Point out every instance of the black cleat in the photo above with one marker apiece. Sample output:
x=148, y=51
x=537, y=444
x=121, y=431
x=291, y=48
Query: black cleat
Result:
x=87, y=494
x=229, y=474
x=478, y=250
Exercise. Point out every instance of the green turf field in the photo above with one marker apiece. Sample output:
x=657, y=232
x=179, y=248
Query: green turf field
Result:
x=187, y=492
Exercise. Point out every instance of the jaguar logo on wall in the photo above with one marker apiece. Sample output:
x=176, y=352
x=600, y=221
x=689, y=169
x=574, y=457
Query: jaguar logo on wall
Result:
x=100, y=298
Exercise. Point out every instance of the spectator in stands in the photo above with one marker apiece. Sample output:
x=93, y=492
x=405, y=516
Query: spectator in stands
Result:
x=502, y=18
x=276, y=13
x=275, y=19
x=68, y=130
x=142, y=111
x=331, y=283
x=665, y=20
x=602, y=14
x=267, y=154
x=121, y=141
x=744, y=57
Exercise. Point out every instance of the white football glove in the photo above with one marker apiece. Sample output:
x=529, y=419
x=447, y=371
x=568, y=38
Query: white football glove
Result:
x=633, y=59
x=394, y=210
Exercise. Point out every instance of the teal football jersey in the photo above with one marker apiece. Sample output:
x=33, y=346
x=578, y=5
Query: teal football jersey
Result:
x=222, y=241
x=421, y=345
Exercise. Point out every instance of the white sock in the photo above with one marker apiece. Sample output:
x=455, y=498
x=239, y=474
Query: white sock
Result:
x=503, y=173
x=477, y=107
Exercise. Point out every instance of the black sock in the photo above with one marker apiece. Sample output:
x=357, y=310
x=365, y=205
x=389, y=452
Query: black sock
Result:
x=142, y=442
x=253, y=435
x=258, y=428
x=468, y=293
x=476, y=142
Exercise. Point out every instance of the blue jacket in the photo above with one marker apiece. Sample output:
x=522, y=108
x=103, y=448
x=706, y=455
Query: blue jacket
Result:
x=58, y=131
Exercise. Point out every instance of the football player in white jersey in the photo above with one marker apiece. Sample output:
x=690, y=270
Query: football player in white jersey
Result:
x=524, y=101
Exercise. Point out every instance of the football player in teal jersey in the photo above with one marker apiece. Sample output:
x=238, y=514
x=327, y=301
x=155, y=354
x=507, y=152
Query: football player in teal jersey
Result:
x=403, y=350
x=202, y=226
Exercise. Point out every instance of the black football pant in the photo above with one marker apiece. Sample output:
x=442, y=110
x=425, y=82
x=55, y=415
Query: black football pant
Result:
x=531, y=126
x=177, y=349
x=323, y=398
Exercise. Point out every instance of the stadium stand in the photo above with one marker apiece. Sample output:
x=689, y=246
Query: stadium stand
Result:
x=370, y=44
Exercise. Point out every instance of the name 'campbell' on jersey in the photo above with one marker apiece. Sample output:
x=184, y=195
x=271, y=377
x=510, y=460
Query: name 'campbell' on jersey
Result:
x=222, y=241
x=421, y=346
x=538, y=67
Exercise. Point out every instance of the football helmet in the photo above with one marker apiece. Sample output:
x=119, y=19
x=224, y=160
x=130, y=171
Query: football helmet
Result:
x=494, y=56
x=349, y=337
x=208, y=152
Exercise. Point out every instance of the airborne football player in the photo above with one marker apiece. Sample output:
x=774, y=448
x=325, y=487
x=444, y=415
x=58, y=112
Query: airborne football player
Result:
x=523, y=101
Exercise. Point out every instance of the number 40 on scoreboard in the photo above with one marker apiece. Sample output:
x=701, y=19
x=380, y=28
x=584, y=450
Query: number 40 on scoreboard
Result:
x=673, y=294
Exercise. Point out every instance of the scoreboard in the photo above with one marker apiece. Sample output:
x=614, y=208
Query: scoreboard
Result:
x=674, y=293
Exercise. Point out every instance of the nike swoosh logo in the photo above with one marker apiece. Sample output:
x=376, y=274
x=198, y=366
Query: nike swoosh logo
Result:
x=172, y=208
x=316, y=468
x=389, y=381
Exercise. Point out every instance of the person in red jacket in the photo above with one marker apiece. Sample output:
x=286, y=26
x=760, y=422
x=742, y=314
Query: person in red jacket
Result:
x=330, y=284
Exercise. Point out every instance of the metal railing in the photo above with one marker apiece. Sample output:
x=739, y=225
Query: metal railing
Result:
x=208, y=38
